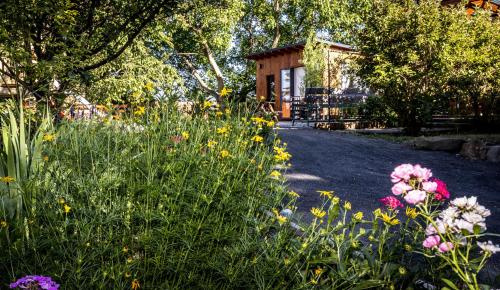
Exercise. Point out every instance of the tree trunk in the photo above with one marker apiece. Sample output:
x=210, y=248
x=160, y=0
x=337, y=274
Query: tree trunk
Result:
x=276, y=16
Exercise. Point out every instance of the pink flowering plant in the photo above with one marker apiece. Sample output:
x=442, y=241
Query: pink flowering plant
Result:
x=451, y=234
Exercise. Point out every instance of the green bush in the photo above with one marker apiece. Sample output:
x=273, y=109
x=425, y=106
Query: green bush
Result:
x=375, y=110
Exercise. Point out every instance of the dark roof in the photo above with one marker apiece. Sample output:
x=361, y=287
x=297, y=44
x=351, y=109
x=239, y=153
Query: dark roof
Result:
x=295, y=47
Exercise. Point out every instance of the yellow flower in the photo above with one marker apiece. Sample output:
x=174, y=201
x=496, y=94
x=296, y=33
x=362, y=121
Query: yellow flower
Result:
x=347, y=205
x=223, y=131
x=326, y=193
x=335, y=200
x=358, y=216
x=225, y=91
x=270, y=124
x=185, y=135
x=136, y=94
x=389, y=220
x=411, y=212
x=259, y=167
x=281, y=219
x=377, y=212
x=258, y=120
x=257, y=139
x=408, y=248
x=318, y=212
x=127, y=274
x=293, y=194
x=135, y=284
x=149, y=86
x=275, y=174
x=224, y=153
x=314, y=282
x=48, y=137
x=211, y=144
x=207, y=104
x=62, y=200
x=281, y=154
x=45, y=158
x=140, y=111
x=227, y=111
x=67, y=208
x=286, y=261
x=7, y=179
x=318, y=271
x=218, y=114
x=3, y=224
x=125, y=249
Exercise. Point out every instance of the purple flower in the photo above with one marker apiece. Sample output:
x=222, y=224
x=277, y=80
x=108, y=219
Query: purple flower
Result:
x=32, y=281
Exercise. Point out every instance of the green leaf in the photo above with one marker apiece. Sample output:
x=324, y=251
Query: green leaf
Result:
x=449, y=283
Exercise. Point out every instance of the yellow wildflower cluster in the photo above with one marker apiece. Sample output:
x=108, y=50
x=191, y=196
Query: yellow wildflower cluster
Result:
x=3, y=224
x=281, y=155
x=140, y=111
x=225, y=91
x=280, y=218
x=185, y=135
x=318, y=212
x=257, y=139
x=347, y=205
x=224, y=154
x=358, y=216
x=48, y=137
x=223, y=131
x=261, y=121
x=206, y=105
x=388, y=219
x=326, y=193
x=211, y=143
x=149, y=86
x=411, y=212
x=7, y=179
x=293, y=194
x=275, y=174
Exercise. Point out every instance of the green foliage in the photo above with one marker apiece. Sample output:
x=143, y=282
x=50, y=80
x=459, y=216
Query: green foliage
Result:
x=401, y=43
x=137, y=76
x=314, y=62
x=376, y=110
x=63, y=40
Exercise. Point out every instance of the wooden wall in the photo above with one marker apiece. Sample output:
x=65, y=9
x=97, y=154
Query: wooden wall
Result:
x=273, y=65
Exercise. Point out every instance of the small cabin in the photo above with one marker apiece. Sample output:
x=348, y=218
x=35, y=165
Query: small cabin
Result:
x=281, y=74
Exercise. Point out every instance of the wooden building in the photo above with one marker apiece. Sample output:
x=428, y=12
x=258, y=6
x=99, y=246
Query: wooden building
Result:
x=281, y=72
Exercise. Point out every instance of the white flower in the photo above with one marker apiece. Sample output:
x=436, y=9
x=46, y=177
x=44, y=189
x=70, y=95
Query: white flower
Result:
x=459, y=202
x=488, y=247
x=450, y=213
x=473, y=217
x=464, y=225
x=471, y=202
x=431, y=230
x=484, y=212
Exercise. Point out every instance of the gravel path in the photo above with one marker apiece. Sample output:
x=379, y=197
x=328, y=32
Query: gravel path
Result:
x=358, y=168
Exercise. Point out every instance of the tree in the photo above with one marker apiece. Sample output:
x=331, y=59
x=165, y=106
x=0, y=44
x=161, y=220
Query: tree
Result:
x=64, y=40
x=473, y=57
x=401, y=43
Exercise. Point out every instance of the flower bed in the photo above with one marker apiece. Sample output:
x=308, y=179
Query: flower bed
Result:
x=173, y=200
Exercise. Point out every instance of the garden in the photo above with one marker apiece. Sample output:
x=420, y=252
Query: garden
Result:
x=135, y=155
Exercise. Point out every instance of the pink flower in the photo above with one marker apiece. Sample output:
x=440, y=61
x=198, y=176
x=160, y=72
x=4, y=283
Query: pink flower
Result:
x=422, y=174
x=402, y=172
x=431, y=241
x=445, y=247
x=415, y=196
x=400, y=188
x=391, y=202
x=441, y=192
x=429, y=186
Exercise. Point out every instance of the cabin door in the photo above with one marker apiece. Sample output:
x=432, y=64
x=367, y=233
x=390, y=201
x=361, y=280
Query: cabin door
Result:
x=285, y=96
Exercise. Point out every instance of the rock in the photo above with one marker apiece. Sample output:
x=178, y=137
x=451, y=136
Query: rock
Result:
x=438, y=143
x=474, y=149
x=493, y=154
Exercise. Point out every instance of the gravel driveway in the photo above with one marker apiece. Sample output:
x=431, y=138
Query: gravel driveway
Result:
x=358, y=168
